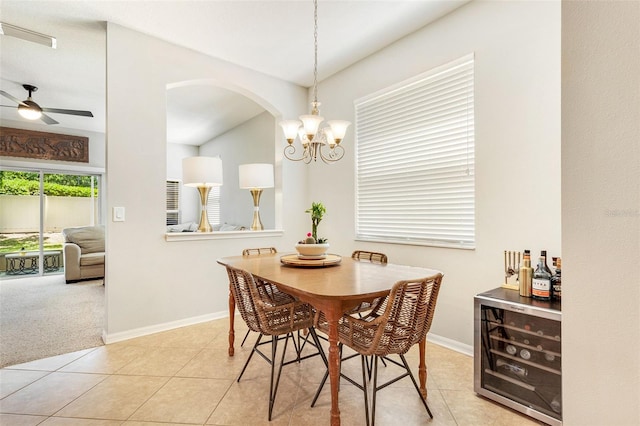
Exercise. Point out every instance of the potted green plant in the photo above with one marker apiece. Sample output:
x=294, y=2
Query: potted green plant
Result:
x=314, y=246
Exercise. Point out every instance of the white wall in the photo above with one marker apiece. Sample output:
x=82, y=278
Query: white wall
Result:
x=517, y=107
x=250, y=142
x=148, y=285
x=601, y=212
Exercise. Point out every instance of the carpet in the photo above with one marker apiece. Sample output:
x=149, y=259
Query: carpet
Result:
x=43, y=316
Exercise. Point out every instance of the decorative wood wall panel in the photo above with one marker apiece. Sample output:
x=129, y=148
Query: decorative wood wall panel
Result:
x=42, y=145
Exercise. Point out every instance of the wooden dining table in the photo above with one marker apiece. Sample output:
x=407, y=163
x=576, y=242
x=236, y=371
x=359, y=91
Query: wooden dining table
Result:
x=333, y=289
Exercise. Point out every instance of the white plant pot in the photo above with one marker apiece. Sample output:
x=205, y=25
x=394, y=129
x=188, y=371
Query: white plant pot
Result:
x=312, y=250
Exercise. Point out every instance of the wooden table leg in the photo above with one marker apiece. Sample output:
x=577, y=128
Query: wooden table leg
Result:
x=422, y=368
x=232, y=311
x=334, y=365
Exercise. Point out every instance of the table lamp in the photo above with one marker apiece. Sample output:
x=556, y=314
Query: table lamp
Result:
x=255, y=177
x=202, y=173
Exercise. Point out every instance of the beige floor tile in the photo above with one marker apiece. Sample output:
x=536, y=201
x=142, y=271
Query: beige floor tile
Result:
x=351, y=407
x=107, y=359
x=52, y=363
x=20, y=420
x=195, y=336
x=13, y=380
x=183, y=400
x=159, y=361
x=213, y=363
x=470, y=409
x=116, y=398
x=49, y=394
x=247, y=403
x=65, y=421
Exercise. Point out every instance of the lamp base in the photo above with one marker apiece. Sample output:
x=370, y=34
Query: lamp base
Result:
x=257, y=223
x=204, y=226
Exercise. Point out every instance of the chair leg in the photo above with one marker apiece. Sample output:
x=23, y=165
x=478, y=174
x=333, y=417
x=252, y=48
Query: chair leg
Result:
x=365, y=371
x=245, y=338
x=273, y=389
x=326, y=373
x=375, y=390
x=255, y=348
x=415, y=384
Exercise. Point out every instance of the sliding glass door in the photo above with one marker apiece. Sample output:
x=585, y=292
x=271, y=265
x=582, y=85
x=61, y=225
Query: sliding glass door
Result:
x=35, y=206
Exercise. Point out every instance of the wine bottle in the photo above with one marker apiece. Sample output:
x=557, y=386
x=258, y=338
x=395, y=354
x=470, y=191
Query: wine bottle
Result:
x=512, y=368
x=556, y=280
x=543, y=255
x=525, y=275
x=541, y=282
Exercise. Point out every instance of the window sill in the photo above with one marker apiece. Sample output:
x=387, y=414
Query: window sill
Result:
x=221, y=235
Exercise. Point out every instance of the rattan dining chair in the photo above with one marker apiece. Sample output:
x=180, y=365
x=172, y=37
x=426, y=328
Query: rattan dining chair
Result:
x=392, y=327
x=254, y=252
x=272, y=313
x=373, y=257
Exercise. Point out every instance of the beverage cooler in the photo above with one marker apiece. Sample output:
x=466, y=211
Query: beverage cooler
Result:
x=517, y=353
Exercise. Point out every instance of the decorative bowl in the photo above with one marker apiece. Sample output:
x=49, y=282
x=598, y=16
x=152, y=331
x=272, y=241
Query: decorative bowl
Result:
x=312, y=250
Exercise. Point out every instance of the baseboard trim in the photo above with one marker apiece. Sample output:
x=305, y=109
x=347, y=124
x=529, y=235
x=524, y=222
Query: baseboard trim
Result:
x=454, y=345
x=157, y=328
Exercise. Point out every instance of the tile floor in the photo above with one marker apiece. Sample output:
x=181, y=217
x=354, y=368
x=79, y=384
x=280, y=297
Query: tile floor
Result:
x=184, y=376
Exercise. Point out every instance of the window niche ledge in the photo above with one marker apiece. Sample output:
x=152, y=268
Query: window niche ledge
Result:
x=221, y=235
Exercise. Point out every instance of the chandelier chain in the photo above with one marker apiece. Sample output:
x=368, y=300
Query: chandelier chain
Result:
x=315, y=58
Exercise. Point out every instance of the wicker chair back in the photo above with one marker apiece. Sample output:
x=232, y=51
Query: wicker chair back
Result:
x=264, y=309
x=260, y=250
x=371, y=256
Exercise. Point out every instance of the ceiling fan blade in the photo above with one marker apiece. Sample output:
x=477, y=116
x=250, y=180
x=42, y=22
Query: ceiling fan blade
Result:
x=47, y=119
x=68, y=111
x=13, y=98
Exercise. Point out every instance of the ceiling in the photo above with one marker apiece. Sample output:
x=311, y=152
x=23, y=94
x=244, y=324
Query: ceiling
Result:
x=272, y=37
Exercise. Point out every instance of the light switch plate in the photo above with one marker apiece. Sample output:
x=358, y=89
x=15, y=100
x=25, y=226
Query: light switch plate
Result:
x=118, y=214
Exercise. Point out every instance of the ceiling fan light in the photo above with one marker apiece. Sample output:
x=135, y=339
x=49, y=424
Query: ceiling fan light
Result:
x=29, y=112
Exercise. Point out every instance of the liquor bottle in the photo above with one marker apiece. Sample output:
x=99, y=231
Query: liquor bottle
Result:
x=543, y=255
x=525, y=275
x=541, y=283
x=556, y=280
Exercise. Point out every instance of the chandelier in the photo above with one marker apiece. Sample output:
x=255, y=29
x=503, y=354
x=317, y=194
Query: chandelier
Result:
x=315, y=137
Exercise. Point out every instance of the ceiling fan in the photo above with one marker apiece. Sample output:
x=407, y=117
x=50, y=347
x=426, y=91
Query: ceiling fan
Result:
x=32, y=111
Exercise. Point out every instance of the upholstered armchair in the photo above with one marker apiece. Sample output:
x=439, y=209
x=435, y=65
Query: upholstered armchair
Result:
x=83, y=251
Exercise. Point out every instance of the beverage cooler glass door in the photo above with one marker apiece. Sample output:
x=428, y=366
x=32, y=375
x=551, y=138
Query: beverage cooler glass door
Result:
x=518, y=358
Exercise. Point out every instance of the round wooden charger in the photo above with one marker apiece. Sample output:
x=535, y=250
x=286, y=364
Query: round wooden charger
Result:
x=294, y=260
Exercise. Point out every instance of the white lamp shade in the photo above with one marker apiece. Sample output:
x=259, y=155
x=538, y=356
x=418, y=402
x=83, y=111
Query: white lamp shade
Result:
x=338, y=128
x=255, y=176
x=202, y=171
x=311, y=123
x=290, y=128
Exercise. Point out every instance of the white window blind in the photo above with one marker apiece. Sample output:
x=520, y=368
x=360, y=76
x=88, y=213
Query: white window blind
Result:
x=415, y=160
x=213, y=206
x=173, y=202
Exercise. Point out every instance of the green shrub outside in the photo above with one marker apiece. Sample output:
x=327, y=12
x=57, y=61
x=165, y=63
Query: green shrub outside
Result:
x=25, y=183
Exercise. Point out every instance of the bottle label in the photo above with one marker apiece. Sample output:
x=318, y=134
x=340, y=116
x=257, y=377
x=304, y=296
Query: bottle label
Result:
x=541, y=287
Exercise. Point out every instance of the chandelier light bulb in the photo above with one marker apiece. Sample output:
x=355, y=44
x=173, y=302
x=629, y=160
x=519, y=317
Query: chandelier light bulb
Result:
x=290, y=129
x=311, y=123
x=338, y=128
